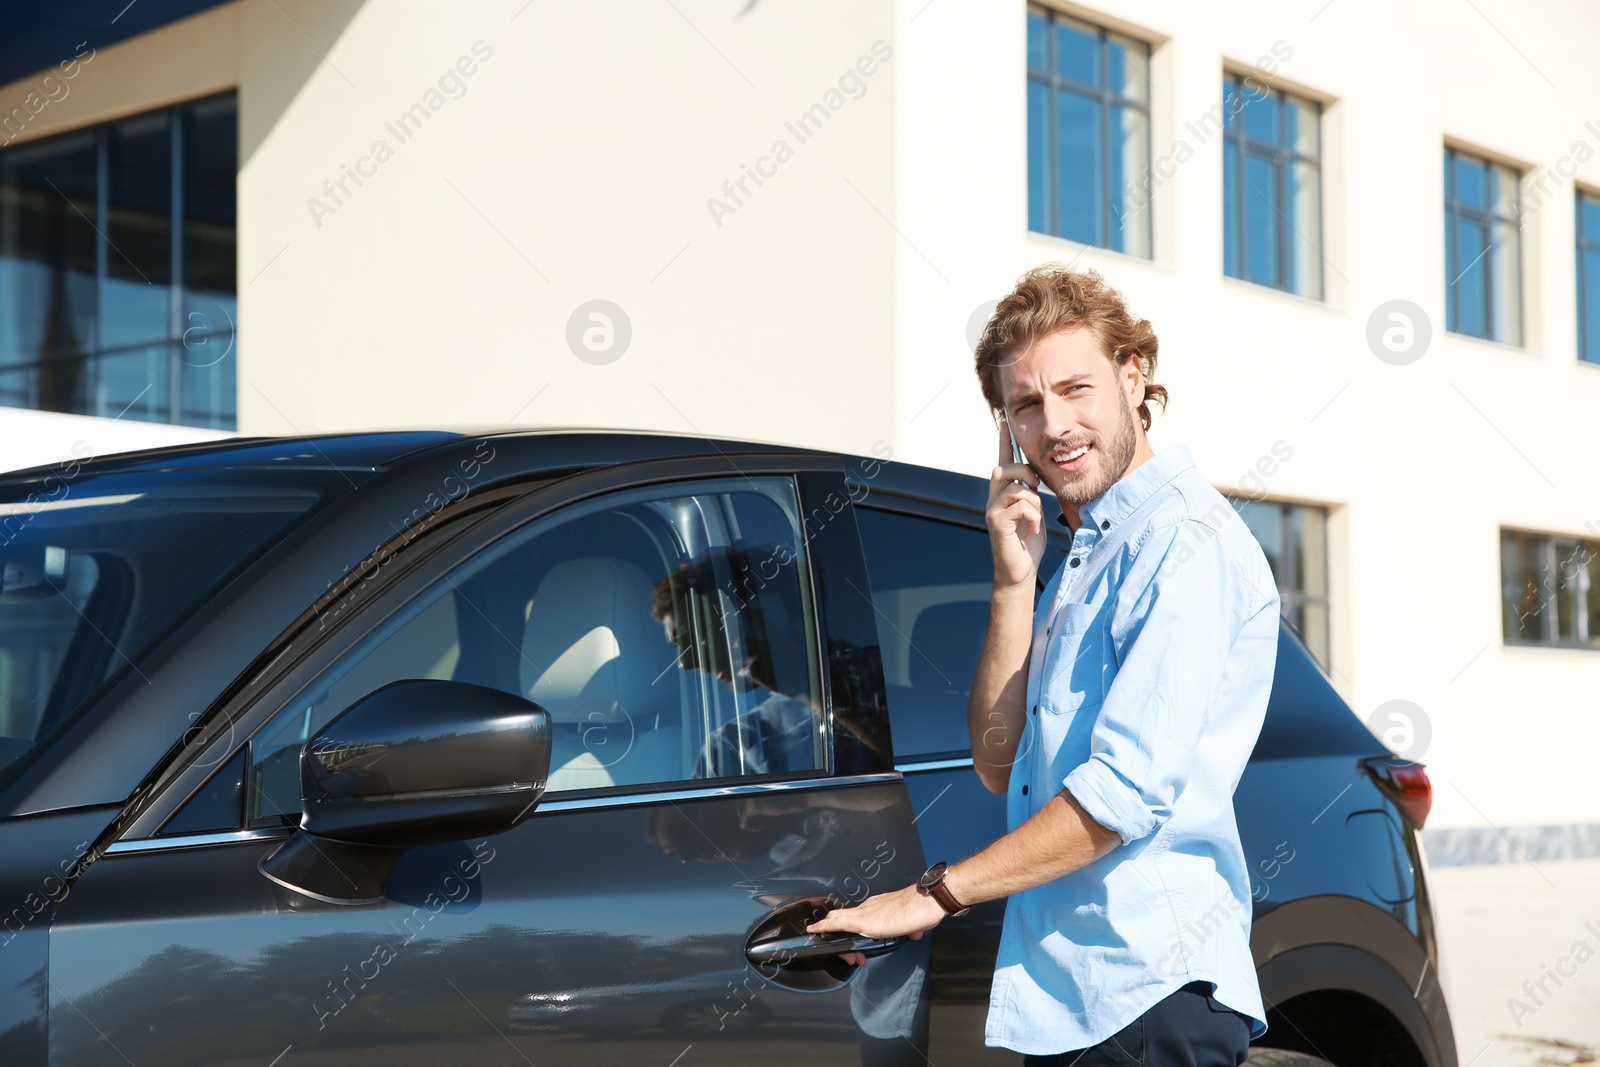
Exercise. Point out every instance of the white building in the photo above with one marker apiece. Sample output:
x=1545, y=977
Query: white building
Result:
x=796, y=214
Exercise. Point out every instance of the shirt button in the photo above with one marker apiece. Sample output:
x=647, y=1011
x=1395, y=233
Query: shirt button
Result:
x=1106, y=525
x=1024, y=790
x=1036, y=709
x=1076, y=560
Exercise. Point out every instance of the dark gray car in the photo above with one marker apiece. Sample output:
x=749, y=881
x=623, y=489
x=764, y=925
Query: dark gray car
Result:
x=543, y=746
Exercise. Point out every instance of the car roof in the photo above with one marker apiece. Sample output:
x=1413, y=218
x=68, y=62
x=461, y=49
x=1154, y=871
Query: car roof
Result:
x=365, y=449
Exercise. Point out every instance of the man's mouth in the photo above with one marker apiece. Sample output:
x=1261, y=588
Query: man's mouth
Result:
x=1071, y=459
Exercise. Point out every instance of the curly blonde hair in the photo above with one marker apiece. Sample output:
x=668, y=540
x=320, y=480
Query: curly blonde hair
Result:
x=1053, y=297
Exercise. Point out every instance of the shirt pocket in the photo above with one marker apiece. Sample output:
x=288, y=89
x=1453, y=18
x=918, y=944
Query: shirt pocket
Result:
x=1073, y=674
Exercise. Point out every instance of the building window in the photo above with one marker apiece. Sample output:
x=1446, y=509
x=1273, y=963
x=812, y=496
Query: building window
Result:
x=1272, y=187
x=117, y=268
x=1294, y=538
x=1088, y=133
x=1550, y=589
x=1588, y=277
x=1482, y=248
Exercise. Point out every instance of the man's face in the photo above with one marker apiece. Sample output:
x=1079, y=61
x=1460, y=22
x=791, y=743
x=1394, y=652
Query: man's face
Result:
x=1061, y=393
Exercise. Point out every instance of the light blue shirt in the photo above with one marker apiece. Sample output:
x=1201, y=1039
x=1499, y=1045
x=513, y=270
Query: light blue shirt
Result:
x=1153, y=652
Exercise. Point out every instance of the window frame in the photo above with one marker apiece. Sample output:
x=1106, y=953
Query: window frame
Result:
x=512, y=542
x=1455, y=209
x=182, y=331
x=1104, y=98
x=1283, y=156
x=486, y=518
x=1550, y=550
x=1586, y=314
x=930, y=510
x=1290, y=599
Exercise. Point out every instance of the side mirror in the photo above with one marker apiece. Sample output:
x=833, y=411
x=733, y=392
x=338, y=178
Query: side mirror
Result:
x=416, y=762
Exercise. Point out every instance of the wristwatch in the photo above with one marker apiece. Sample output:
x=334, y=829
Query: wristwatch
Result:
x=931, y=884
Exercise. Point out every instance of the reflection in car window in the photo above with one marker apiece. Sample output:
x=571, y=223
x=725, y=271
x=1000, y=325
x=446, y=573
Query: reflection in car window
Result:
x=933, y=613
x=665, y=629
x=96, y=567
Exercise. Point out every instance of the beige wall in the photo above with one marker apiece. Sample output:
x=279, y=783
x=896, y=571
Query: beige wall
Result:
x=575, y=165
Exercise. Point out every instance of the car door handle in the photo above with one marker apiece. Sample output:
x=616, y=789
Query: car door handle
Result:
x=813, y=946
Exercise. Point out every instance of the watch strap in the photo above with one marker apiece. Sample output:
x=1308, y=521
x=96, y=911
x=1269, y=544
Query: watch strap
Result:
x=947, y=900
x=932, y=884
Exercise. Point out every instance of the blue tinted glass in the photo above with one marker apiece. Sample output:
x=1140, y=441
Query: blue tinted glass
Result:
x=1260, y=113
x=210, y=285
x=15, y=388
x=1449, y=266
x=1590, y=313
x=1077, y=53
x=930, y=649
x=167, y=540
x=1038, y=42
x=1230, y=209
x=207, y=391
x=135, y=379
x=1303, y=219
x=1591, y=219
x=1503, y=192
x=1129, y=179
x=102, y=287
x=1503, y=266
x=1038, y=157
x=1120, y=72
x=1261, y=220
x=1266, y=522
x=1471, y=186
x=136, y=303
x=47, y=256
x=1232, y=103
x=1301, y=130
x=1467, y=285
x=1079, y=195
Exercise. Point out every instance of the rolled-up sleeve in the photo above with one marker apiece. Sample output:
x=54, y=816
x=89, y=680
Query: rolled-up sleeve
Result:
x=1180, y=608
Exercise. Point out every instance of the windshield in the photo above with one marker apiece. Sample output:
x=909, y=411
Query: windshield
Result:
x=95, y=569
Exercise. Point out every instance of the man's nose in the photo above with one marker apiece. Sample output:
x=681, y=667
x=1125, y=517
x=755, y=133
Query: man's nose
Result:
x=1059, y=419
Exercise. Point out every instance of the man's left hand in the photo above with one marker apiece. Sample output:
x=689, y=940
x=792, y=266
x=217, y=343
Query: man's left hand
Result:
x=902, y=913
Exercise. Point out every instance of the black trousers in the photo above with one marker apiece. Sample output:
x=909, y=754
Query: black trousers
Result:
x=1187, y=1029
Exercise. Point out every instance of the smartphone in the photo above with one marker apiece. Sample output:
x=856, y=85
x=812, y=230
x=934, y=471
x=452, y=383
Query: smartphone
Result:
x=1016, y=451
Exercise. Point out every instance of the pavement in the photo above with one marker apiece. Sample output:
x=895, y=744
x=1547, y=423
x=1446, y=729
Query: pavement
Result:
x=1520, y=959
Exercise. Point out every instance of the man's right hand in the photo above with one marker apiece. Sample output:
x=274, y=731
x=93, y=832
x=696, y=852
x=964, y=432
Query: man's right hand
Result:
x=1015, y=516
x=995, y=718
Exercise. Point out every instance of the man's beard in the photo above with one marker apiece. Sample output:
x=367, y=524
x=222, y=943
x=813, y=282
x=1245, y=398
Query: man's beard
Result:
x=1115, y=453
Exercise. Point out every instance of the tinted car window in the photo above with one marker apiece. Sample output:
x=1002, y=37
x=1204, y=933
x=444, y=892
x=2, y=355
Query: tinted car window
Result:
x=930, y=583
x=666, y=630
x=94, y=568
x=933, y=611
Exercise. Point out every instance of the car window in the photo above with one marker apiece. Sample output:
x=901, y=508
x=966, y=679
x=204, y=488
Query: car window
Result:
x=667, y=631
x=95, y=568
x=930, y=583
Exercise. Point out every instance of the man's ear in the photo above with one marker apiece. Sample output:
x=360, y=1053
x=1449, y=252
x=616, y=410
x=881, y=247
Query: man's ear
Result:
x=1133, y=380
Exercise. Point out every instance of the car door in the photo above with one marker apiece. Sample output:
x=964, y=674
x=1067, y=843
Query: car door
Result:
x=933, y=614
x=720, y=765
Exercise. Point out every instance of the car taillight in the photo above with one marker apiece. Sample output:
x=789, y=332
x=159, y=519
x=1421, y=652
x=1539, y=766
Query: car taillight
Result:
x=1406, y=783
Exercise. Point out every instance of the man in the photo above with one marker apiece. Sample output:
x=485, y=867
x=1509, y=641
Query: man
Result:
x=1117, y=716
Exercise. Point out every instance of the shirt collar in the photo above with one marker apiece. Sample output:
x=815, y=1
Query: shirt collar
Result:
x=1133, y=489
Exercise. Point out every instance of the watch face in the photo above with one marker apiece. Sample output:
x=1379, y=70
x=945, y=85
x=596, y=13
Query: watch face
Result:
x=932, y=876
